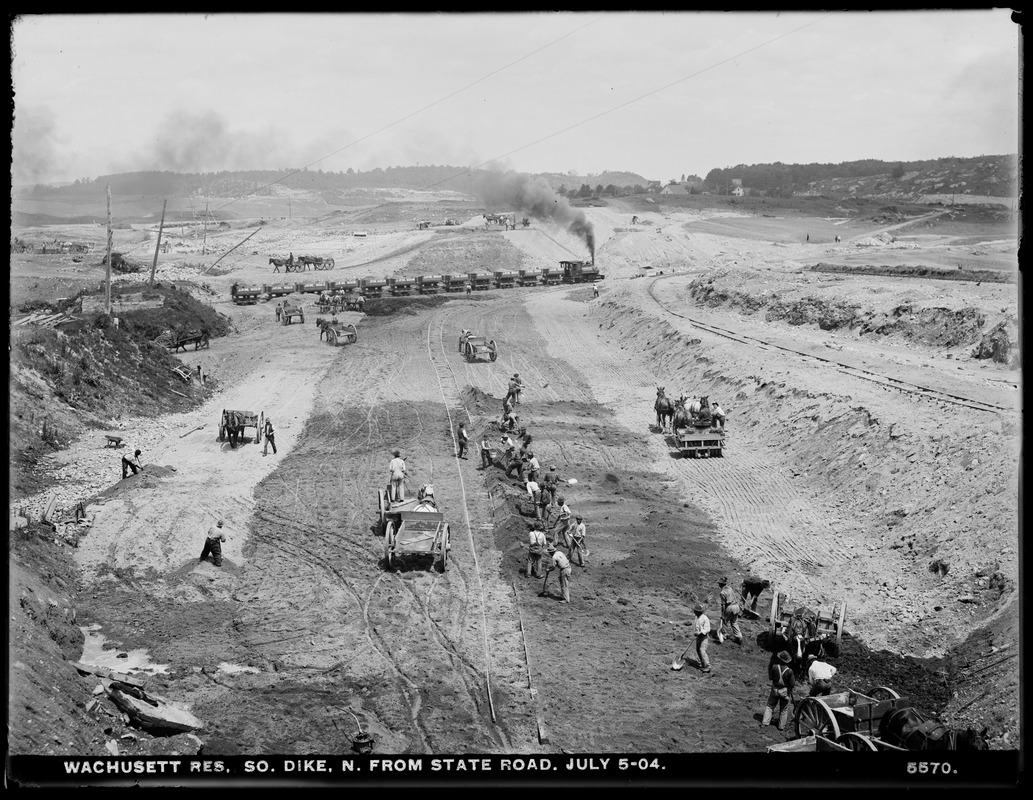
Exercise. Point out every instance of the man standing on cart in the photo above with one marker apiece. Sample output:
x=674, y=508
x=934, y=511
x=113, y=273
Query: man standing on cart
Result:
x=397, y=471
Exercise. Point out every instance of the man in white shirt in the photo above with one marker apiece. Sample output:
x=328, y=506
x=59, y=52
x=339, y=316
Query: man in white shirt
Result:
x=213, y=543
x=577, y=544
x=559, y=530
x=534, y=492
x=702, y=629
x=397, y=471
x=819, y=676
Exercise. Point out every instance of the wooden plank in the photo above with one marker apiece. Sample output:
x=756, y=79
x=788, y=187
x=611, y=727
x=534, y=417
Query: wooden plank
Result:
x=110, y=674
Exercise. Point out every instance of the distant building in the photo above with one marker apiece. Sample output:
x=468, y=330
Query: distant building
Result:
x=736, y=181
x=675, y=188
x=654, y=187
x=738, y=191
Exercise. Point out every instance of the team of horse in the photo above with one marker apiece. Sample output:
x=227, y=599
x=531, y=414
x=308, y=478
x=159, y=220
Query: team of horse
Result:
x=232, y=425
x=301, y=263
x=910, y=729
x=681, y=413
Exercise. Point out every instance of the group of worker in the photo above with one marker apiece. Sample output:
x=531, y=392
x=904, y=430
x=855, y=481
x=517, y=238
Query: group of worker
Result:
x=782, y=677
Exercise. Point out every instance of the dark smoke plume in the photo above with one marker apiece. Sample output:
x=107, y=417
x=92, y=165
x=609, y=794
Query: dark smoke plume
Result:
x=534, y=197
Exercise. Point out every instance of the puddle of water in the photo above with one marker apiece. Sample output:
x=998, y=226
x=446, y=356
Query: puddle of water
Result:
x=235, y=669
x=95, y=655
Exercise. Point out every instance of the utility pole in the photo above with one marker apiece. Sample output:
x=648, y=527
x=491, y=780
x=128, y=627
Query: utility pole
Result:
x=204, y=242
x=107, y=294
x=157, y=246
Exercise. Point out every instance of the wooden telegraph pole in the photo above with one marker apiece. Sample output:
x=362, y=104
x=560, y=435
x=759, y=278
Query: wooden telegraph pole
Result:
x=107, y=296
x=157, y=247
x=204, y=242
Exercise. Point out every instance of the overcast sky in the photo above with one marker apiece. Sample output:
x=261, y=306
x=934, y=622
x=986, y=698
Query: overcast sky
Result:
x=658, y=94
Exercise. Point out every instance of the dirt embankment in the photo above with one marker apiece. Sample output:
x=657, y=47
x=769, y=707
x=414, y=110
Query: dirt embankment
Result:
x=914, y=322
x=910, y=507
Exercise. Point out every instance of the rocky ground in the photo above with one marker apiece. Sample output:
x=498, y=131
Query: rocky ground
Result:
x=876, y=468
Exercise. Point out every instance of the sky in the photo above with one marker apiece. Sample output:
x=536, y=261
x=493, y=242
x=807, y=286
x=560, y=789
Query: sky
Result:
x=660, y=94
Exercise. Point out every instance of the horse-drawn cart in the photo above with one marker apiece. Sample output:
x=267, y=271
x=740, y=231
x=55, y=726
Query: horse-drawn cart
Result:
x=178, y=339
x=232, y=424
x=340, y=333
x=849, y=718
x=477, y=347
x=291, y=310
x=696, y=442
x=413, y=528
x=822, y=628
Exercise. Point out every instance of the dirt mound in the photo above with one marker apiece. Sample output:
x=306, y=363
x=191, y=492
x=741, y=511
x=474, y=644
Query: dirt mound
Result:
x=1000, y=344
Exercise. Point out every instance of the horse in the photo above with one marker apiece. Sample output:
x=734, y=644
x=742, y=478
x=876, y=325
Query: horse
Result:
x=910, y=729
x=310, y=261
x=664, y=408
x=278, y=262
x=233, y=424
x=681, y=417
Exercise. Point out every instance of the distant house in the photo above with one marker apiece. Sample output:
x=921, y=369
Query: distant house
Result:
x=738, y=191
x=654, y=187
x=675, y=188
x=736, y=181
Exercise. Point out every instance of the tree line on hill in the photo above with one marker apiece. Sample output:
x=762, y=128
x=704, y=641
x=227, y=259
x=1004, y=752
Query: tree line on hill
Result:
x=784, y=180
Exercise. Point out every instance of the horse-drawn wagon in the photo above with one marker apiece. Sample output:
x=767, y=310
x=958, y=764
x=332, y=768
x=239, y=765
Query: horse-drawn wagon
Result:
x=804, y=631
x=701, y=442
x=302, y=263
x=413, y=528
x=232, y=424
x=849, y=718
x=291, y=310
x=477, y=347
x=178, y=339
x=337, y=332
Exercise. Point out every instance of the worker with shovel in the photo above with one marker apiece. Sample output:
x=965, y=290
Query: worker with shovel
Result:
x=562, y=563
x=578, y=548
x=702, y=630
x=729, y=613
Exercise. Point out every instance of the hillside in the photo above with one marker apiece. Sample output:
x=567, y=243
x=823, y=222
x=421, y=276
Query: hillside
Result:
x=989, y=176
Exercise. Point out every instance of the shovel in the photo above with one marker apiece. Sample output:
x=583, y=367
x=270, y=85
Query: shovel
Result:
x=679, y=662
x=545, y=583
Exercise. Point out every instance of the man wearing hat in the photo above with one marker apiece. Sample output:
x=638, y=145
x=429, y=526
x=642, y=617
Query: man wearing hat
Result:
x=752, y=586
x=729, y=612
x=562, y=563
x=559, y=530
x=485, y=452
x=515, y=385
x=397, y=471
x=819, y=676
x=213, y=543
x=551, y=483
x=534, y=468
x=536, y=549
x=577, y=544
x=270, y=437
x=782, y=682
x=702, y=629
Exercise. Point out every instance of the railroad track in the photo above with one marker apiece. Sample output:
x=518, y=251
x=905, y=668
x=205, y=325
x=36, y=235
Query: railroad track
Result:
x=847, y=369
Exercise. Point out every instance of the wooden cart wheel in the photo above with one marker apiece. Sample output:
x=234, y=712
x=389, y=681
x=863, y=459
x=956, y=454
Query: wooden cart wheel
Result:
x=839, y=623
x=442, y=556
x=494, y=355
x=331, y=336
x=857, y=742
x=383, y=504
x=389, y=545
x=352, y=338
x=330, y=263
x=882, y=693
x=165, y=340
x=813, y=716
